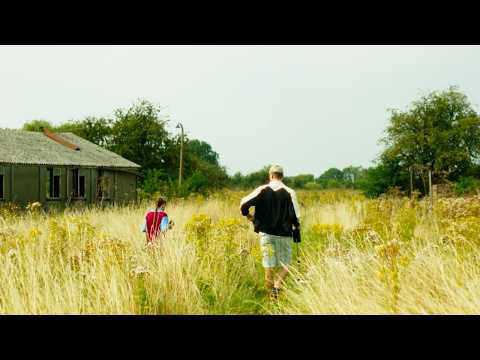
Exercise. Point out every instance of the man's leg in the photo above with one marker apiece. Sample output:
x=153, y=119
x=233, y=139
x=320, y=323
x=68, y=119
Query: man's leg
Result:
x=281, y=275
x=284, y=256
x=268, y=260
x=269, y=274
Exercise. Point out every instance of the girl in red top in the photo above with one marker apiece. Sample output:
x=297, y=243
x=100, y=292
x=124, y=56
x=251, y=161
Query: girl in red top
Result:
x=156, y=221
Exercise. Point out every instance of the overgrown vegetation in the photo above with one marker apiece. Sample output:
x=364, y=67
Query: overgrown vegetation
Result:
x=358, y=256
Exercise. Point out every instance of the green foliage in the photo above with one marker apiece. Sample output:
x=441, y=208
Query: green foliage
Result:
x=153, y=181
x=96, y=130
x=250, y=180
x=299, y=181
x=351, y=175
x=37, y=125
x=332, y=178
x=331, y=174
x=203, y=151
x=197, y=182
x=376, y=180
x=216, y=175
x=139, y=134
x=440, y=132
x=467, y=185
x=312, y=186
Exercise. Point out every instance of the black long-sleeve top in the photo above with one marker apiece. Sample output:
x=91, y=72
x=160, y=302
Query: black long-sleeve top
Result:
x=276, y=209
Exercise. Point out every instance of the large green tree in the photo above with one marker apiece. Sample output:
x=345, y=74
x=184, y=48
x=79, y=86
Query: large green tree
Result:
x=332, y=178
x=139, y=134
x=202, y=150
x=351, y=175
x=439, y=132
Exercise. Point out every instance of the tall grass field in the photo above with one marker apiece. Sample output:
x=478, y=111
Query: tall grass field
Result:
x=389, y=255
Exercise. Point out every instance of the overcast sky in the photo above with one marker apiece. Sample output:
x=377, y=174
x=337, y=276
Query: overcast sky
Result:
x=307, y=108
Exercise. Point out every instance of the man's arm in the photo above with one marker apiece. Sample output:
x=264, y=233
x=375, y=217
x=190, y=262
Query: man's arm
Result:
x=295, y=214
x=294, y=209
x=250, y=200
x=295, y=205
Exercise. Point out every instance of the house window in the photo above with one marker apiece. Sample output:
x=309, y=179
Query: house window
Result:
x=81, y=184
x=78, y=184
x=53, y=184
x=1, y=186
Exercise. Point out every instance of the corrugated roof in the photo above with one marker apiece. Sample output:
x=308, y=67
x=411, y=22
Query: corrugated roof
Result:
x=29, y=147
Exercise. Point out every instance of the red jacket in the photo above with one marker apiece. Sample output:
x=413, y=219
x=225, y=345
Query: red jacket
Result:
x=153, y=220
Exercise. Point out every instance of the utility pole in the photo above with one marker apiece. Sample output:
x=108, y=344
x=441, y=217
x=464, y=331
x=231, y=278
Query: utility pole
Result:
x=180, y=126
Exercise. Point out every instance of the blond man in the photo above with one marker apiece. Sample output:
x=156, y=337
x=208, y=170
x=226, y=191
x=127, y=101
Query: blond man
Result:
x=276, y=219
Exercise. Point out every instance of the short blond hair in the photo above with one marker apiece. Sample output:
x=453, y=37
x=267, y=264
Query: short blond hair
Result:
x=276, y=170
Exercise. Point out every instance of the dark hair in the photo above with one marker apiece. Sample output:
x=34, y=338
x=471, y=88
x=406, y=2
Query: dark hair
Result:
x=160, y=202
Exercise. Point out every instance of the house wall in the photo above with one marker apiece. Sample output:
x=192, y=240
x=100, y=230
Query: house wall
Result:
x=28, y=183
x=126, y=187
x=121, y=186
x=42, y=193
x=108, y=184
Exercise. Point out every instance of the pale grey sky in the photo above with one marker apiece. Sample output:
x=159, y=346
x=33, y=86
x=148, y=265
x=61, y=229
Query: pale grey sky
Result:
x=307, y=108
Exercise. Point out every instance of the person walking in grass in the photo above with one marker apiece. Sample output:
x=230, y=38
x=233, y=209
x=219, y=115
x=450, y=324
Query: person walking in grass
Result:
x=277, y=221
x=156, y=222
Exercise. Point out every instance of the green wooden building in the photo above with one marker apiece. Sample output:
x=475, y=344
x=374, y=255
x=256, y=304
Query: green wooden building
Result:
x=62, y=169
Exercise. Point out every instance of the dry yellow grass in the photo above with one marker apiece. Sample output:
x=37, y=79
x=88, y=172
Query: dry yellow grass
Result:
x=358, y=256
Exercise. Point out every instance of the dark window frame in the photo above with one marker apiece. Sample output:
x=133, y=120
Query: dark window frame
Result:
x=54, y=185
x=77, y=191
x=2, y=187
x=81, y=186
x=75, y=182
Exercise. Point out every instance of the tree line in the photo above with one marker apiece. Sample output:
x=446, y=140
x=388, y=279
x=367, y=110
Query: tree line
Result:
x=349, y=177
x=437, y=134
x=139, y=134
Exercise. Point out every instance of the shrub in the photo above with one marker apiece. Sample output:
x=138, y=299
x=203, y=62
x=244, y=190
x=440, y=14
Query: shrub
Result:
x=467, y=185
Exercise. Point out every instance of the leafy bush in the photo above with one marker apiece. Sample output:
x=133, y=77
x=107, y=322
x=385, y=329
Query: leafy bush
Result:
x=312, y=186
x=197, y=183
x=467, y=185
x=154, y=181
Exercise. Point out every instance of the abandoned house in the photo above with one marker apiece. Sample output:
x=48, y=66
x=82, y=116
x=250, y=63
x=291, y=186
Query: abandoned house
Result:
x=62, y=169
